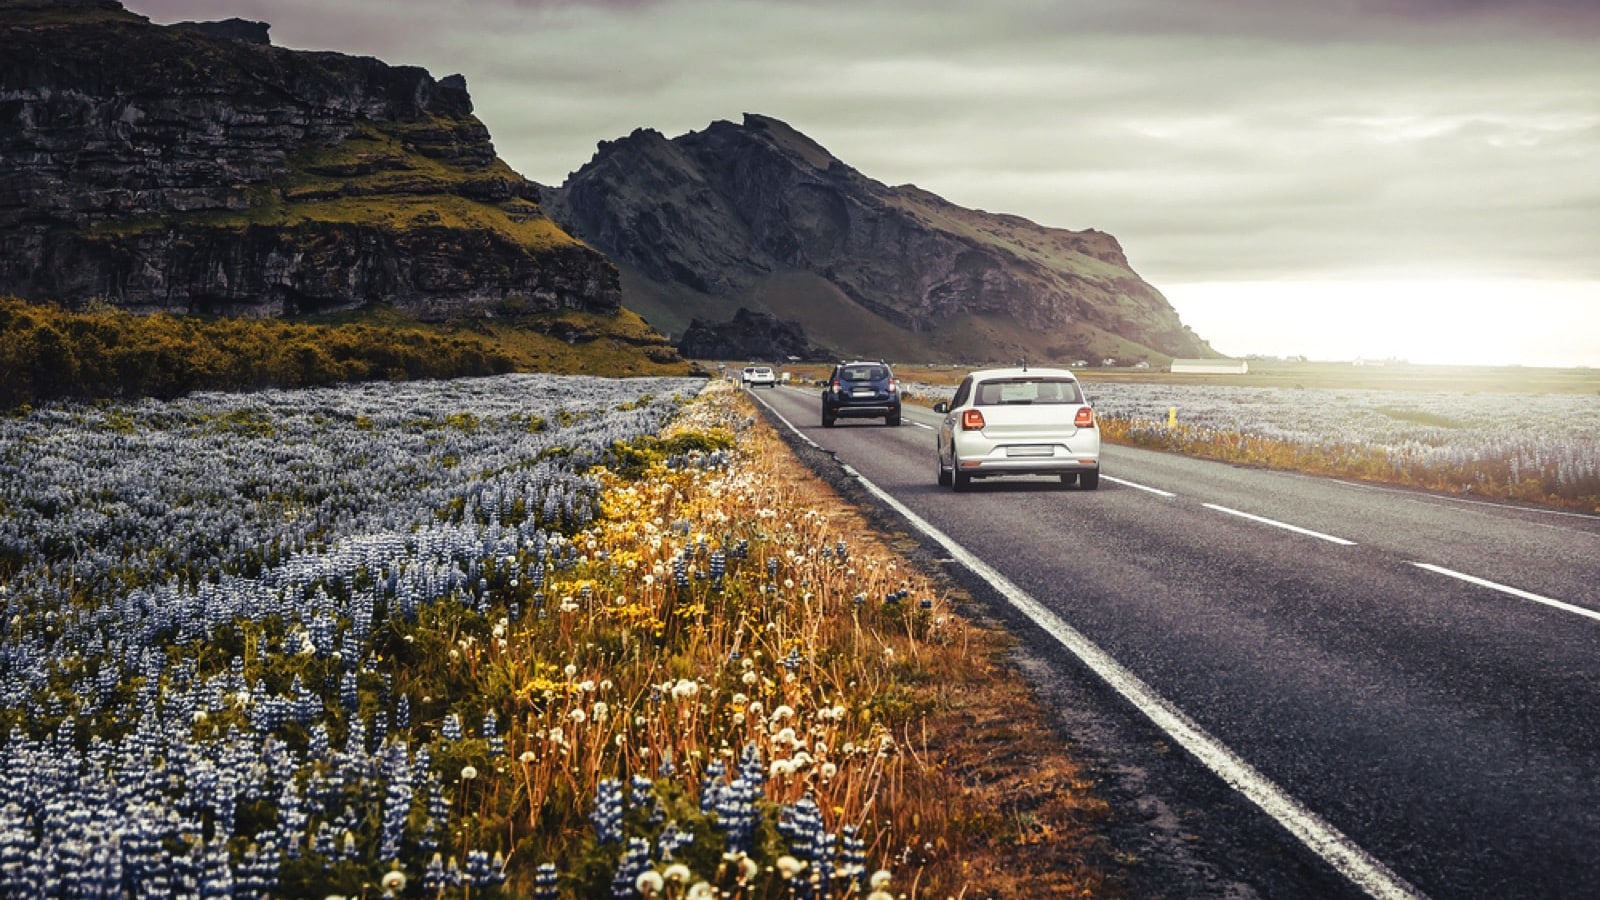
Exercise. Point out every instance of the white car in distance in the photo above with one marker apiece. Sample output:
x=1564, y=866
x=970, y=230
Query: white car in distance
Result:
x=760, y=376
x=1018, y=421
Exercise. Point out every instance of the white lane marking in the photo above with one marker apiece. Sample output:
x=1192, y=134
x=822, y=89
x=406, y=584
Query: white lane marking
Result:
x=1134, y=484
x=1360, y=867
x=1507, y=589
x=1284, y=525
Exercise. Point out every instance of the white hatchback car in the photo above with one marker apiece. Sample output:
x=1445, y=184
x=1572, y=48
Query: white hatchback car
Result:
x=758, y=376
x=1021, y=421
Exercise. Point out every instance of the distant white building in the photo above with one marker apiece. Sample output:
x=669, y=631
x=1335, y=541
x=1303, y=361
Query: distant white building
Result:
x=1211, y=366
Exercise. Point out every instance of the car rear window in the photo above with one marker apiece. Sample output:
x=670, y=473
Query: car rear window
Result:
x=864, y=373
x=1028, y=390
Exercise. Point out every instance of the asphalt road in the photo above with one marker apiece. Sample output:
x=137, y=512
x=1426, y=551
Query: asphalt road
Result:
x=1293, y=686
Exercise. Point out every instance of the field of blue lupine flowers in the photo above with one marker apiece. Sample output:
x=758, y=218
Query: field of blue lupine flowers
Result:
x=1541, y=447
x=160, y=563
x=482, y=637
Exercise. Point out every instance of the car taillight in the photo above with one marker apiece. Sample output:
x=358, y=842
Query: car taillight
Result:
x=834, y=387
x=1084, y=418
x=893, y=385
x=972, y=420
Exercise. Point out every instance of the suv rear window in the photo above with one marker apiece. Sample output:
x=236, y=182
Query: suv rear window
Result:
x=1028, y=390
x=863, y=373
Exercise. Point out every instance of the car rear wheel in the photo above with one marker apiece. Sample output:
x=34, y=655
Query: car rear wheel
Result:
x=959, y=480
x=1068, y=479
x=827, y=421
x=1089, y=480
x=944, y=474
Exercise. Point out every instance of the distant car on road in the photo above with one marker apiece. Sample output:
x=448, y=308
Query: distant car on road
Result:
x=861, y=390
x=1019, y=421
x=758, y=376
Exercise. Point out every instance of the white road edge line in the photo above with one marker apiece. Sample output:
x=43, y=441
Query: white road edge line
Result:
x=1284, y=525
x=1327, y=842
x=1133, y=484
x=1507, y=589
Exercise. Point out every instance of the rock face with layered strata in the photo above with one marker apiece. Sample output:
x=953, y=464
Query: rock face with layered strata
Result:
x=198, y=168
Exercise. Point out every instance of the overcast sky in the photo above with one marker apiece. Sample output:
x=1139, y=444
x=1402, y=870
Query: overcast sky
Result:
x=1332, y=178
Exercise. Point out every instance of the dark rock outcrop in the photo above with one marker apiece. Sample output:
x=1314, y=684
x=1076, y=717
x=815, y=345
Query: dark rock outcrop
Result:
x=724, y=211
x=200, y=169
x=749, y=335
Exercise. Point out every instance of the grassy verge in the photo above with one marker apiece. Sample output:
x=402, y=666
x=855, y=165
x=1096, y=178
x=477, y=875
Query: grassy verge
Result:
x=49, y=353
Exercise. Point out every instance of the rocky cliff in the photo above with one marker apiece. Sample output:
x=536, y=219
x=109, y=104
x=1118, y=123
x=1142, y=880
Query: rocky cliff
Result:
x=759, y=215
x=198, y=168
x=748, y=335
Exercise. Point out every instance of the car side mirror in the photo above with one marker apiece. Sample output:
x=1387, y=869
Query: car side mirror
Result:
x=941, y=407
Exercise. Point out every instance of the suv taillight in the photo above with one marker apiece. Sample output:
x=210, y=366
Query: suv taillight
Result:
x=971, y=420
x=893, y=385
x=1084, y=418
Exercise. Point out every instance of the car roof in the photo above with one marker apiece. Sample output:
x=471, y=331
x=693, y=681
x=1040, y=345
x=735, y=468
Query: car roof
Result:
x=1018, y=372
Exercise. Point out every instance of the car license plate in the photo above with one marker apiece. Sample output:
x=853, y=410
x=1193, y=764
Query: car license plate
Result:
x=861, y=393
x=1035, y=450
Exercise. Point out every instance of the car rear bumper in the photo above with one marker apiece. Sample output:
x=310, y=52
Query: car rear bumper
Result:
x=980, y=458
x=983, y=468
x=861, y=411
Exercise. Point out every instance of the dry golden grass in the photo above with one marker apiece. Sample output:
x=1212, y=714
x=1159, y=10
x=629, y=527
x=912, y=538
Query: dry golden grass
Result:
x=989, y=805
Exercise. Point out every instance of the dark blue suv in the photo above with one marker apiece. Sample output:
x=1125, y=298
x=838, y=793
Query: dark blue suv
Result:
x=861, y=390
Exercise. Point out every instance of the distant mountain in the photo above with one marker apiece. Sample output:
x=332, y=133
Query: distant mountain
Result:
x=197, y=168
x=760, y=216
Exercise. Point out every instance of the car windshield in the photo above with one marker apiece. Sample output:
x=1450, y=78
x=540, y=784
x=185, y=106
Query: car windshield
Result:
x=1028, y=390
x=863, y=373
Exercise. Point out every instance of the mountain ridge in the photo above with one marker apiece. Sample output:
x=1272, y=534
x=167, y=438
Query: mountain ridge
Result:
x=759, y=215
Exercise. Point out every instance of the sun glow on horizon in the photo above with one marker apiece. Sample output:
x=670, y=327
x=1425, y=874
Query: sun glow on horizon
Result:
x=1452, y=321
